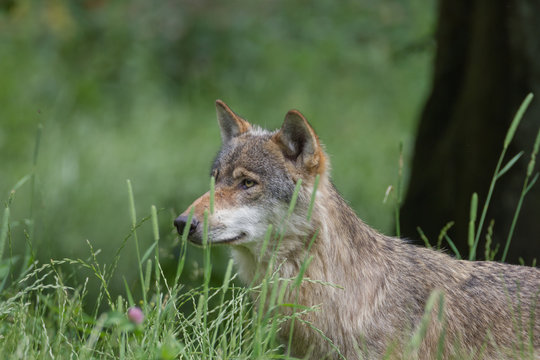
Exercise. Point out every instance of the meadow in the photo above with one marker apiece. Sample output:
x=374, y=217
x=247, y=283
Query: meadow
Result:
x=96, y=93
x=44, y=314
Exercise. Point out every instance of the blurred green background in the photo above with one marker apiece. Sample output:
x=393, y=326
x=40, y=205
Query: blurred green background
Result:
x=126, y=90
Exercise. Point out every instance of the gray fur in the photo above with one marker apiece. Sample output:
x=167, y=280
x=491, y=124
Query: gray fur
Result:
x=490, y=310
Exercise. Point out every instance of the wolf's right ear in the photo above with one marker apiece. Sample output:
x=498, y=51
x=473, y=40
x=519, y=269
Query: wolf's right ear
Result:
x=231, y=124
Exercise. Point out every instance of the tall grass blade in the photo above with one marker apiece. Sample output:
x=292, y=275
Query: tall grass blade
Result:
x=28, y=251
x=131, y=302
x=472, y=253
x=148, y=252
x=4, y=231
x=398, y=191
x=259, y=317
x=122, y=352
x=507, y=140
x=452, y=246
x=94, y=336
x=442, y=336
x=509, y=164
x=312, y=201
x=133, y=214
x=414, y=344
x=224, y=289
x=533, y=181
x=212, y=193
x=226, y=279
x=472, y=219
x=489, y=254
x=16, y=187
x=120, y=248
x=272, y=316
x=536, y=147
x=183, y=247
x=443, y=233
x=148, y=275
x=524, y=191
x=284, y=221
x=517, y=119
x=315, y=234
x=264, y=246
x=298, y=281
x=294, y=198
x=512, y=227
x=423, y=237
x=205, y=230
x=155, y=228
x=301, y=272
x=34, y=165
x=207, y=265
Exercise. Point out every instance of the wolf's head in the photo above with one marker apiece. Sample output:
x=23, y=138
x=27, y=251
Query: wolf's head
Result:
x=255, y=173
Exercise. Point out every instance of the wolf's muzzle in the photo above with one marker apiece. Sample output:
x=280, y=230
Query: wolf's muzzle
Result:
x=181, y=223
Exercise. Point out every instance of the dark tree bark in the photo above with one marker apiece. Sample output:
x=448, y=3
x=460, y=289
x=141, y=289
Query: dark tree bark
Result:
x=487, y=61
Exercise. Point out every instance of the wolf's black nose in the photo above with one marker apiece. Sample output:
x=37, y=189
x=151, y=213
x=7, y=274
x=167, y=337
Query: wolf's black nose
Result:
x=181, y=222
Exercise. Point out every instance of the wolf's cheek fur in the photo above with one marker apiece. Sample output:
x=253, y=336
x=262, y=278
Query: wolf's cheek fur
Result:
x=248, y=224
x=237, y=225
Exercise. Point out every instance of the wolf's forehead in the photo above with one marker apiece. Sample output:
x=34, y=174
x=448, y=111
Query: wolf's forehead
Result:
x=252, y=152
x=259, y=154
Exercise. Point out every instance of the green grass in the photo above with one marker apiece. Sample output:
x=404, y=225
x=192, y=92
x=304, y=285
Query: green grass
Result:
x=48, y=321
x=91, y=97
x=43, y=309
x=125, y=90
x=43, y=316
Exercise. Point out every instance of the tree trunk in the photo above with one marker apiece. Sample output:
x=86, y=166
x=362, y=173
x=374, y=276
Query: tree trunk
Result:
x=487, y=61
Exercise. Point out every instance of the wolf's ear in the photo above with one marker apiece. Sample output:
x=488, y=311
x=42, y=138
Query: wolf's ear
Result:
x=230, y=123
x=298, y=141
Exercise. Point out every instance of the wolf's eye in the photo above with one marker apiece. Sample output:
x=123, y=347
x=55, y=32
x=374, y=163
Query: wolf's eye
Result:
x=247, y=183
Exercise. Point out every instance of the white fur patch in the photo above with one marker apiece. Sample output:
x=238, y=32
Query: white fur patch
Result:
x=258, y=131
x=246, y=224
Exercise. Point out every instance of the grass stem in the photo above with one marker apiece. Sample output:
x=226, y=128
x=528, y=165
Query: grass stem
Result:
x=133, y=214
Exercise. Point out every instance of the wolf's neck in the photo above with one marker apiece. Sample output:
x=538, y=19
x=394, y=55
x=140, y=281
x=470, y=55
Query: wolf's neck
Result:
x=341, y=239
x=338, y=222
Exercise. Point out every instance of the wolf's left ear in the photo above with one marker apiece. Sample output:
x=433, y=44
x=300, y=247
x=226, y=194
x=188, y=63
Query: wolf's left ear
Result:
x=230, y=123
x=299, y=142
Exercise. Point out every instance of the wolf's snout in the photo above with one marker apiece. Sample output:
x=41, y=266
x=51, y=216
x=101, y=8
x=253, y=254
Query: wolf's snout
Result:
x=181, y=222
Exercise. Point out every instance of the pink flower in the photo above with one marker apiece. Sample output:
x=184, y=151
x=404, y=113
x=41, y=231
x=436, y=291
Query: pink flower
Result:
x=135, y=315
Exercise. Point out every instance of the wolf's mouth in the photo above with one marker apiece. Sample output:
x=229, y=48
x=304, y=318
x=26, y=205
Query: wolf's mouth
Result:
x=198, y=241
x=232, y=240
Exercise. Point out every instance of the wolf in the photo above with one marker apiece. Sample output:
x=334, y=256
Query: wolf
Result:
x=484, y=310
